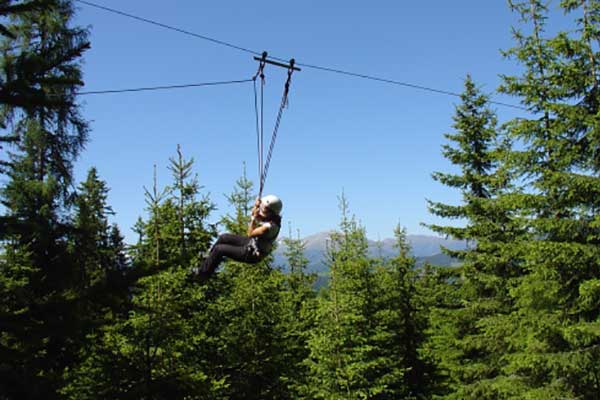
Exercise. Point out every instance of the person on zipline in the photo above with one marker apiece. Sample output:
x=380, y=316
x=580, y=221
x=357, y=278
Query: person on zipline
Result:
x=262, y=232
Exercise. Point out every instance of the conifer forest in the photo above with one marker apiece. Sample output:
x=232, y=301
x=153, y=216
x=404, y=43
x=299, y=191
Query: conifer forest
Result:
x=85, y=315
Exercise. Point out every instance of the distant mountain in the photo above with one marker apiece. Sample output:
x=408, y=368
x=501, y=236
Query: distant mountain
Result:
x=424, y=249
x=437, y=259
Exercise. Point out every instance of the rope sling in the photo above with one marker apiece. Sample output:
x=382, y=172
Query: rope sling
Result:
x=263, y=163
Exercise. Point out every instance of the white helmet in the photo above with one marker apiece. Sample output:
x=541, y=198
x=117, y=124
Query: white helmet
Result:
x=273, y=203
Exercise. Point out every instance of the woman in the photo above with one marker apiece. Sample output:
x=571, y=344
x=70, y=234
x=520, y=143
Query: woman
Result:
x=262, y=232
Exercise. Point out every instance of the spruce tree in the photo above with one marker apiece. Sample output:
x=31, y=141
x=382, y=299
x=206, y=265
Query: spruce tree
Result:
x=469, y=339
x=554, y=341
x=402, y=321
x=177, y=231
x=92, y=230
x=40, y=77
x=248, y=314
x=194, y=232
x=439, y=288
x=163, y=347
x=298, y=314
x=100, y=255
x=346, y=358
x=157, y=352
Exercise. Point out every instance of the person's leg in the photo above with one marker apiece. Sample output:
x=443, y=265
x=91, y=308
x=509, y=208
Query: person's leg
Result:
x=220, y=251
x=225, y=238
x=235, y=240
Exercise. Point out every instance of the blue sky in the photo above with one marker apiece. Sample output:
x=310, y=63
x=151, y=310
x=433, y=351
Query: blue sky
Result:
x=377, y=142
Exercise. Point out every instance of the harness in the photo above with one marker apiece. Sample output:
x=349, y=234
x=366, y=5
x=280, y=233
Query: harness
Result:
x=253, y=246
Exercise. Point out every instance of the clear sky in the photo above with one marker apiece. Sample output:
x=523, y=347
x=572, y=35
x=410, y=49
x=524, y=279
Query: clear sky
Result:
x=377, y=142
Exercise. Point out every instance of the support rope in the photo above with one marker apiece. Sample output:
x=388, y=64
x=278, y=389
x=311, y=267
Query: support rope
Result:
x=284, y=103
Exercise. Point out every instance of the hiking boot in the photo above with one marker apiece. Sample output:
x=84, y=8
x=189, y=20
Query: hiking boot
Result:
x=197, y=275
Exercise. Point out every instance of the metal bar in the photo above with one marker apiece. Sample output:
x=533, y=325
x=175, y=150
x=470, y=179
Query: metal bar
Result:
x=278, y=64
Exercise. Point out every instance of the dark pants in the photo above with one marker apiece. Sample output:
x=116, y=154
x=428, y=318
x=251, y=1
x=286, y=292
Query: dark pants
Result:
x=230, y=246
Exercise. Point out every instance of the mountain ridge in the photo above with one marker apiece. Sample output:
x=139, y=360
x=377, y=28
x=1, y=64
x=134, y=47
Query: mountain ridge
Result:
x=424, y=248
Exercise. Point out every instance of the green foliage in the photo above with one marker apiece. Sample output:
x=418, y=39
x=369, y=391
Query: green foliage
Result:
x=157, y=352
x=559, y=82
x=194, y=233
x=298, y=317
x=40, y=73
x=517, y=327
x=250, y=315
x=367, y=329
x=177, y=230
x=402, y=321
x=468, y=342
x=242, y=201
x=160, y=346
x=85, y=317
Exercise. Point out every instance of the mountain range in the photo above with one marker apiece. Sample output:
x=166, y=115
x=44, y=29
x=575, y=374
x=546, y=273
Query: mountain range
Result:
x=424, y=248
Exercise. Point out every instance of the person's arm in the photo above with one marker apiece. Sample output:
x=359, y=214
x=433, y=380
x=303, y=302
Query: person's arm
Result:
x=252, y=225
x=257, y=231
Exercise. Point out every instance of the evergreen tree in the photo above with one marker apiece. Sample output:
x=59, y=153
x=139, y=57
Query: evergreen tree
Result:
x=153, y=228
x=157, y=352
x=439, y=288
x=555, y=325
x=248, y=314
x=469, y=337
x=194, y=233
x=99, y=253
x=40, y=77
x=28, y=66
x=241, y=199
x=92, y=230
x=177, y=231
x=298, y=314
x=346, y=355
x=402, y=322
x=163, y=348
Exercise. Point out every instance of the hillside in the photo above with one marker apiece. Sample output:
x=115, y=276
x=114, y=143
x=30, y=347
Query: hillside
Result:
x=424, y=248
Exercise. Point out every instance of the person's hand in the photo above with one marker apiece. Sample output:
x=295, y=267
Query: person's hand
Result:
x=257, y=202
x=256, y=207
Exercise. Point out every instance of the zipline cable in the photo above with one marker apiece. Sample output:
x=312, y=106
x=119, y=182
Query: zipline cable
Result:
x=169, y=87
x=311, y=66
x=165, y=26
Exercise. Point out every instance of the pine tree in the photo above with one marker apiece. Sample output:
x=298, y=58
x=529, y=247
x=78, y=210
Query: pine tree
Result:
x=163, y=347
x=92, y=230
x=401, y=320
x=346, y=355
x=248, y=314
x=439, y=288
x=194, y=233
x=100, y=255
x=29, y=66
x=298, y=303
x=119, y=267
x=554, y=341
x=157, y=352
x=40, y=76
x=469, y=338
x=154, y=230
x=177, y=231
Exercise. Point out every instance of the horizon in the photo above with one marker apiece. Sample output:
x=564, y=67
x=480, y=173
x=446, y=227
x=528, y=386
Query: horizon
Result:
x=376, y=142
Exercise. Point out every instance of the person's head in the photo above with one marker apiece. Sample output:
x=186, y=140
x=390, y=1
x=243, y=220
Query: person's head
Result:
x=270, y=207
